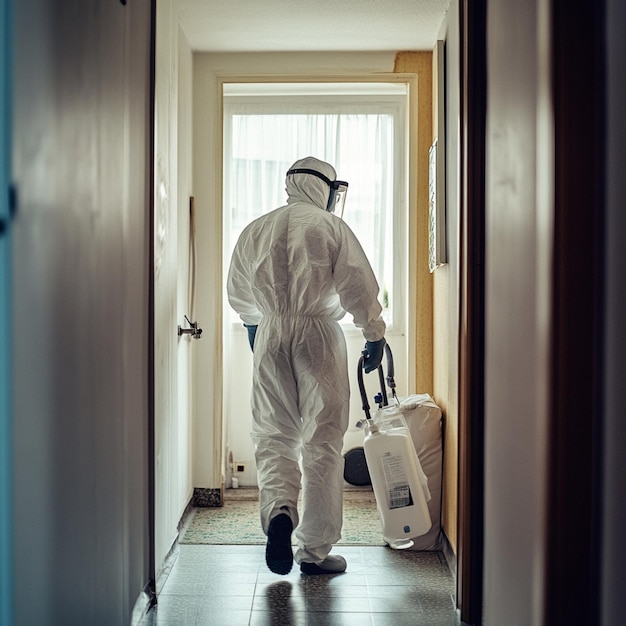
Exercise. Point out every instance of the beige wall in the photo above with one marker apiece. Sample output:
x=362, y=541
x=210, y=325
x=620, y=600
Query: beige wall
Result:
x=437, y=293
x=172, y=392
x=446, y=303
x=420, y=63
x=518, y=272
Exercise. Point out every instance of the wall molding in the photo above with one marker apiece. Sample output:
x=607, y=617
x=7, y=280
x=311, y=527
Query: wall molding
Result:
x=206, y=497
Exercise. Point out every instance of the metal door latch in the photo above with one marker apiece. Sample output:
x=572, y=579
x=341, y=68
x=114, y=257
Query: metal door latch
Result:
x=193, y=329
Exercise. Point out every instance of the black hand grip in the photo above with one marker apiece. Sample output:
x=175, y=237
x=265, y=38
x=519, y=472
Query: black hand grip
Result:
x=359, y=374
x=381, y=378
x=390, y=370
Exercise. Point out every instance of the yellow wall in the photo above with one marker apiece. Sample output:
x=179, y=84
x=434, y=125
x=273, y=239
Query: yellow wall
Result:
x=436, y=327
x=420, y=63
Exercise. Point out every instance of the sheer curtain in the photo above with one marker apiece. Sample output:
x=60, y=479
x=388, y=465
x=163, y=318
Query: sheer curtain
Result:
x=259, y=148
x=261, y=141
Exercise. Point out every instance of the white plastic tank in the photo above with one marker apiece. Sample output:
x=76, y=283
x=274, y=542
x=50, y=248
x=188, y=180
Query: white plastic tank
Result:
x=400, y=485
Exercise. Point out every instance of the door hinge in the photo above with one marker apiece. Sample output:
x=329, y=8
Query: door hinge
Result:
x=6, y=220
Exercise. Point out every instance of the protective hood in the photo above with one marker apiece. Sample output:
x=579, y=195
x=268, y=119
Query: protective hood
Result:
x=308, y=188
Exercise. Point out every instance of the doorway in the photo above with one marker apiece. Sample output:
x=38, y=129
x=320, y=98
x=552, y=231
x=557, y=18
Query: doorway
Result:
x=362, y=129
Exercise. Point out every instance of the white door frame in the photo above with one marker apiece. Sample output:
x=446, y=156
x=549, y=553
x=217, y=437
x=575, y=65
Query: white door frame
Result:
x=209, y=461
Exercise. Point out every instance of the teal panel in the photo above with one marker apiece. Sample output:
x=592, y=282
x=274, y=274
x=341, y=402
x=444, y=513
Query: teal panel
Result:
x=6, y=460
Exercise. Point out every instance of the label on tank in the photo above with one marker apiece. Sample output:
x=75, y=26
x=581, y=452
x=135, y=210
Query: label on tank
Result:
x=398, y=491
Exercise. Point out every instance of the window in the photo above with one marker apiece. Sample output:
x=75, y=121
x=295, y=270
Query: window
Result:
x=359, y=128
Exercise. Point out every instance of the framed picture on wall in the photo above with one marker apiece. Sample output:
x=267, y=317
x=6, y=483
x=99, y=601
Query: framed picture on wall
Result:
x=436, y=171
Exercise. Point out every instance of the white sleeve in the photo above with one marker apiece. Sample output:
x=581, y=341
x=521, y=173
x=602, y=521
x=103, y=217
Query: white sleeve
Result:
x=357, y=286
x=239, y=289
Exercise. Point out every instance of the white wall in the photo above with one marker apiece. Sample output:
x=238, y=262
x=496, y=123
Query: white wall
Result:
x=518, y=269
x=80, y=310
x=446, y=306
x=208, y=68
x=171, y=269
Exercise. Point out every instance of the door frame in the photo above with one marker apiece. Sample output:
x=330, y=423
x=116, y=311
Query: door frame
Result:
x=150, y=588
x=573, y=568
x=412, y=82
x=473, y=65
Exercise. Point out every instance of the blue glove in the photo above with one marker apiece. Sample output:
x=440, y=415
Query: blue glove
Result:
x=251, y=334
x=373, y=354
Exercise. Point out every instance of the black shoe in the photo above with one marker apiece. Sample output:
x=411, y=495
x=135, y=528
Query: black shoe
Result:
x=278, y=553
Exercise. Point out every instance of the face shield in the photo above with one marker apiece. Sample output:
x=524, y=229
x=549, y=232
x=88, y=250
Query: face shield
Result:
x=337, y=197
x=338, y=190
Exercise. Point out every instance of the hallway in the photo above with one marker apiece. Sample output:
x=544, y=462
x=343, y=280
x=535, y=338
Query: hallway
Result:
x=219, y=585
x=521, y=335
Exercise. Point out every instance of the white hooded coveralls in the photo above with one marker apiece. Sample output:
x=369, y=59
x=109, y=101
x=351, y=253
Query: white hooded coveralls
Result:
x=294, y=272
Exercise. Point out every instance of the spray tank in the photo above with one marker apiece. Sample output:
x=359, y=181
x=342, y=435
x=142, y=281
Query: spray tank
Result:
x=399, y=483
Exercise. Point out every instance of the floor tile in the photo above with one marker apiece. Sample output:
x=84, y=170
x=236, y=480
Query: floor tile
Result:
x=407, y=619
x=231, y=585
x=339, y=619
x=182, y=586
x=275, y=599
x=268, y=618
x=400, y=603
x=232, y=617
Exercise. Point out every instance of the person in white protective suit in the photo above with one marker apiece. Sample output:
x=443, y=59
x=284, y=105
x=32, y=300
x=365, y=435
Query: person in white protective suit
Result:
x=294, y=273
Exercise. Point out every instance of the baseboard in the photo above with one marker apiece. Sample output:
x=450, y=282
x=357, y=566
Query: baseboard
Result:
x=165, y=567
x=449, y=554
x=203, y=497
x=186, y=517
x=143, y=604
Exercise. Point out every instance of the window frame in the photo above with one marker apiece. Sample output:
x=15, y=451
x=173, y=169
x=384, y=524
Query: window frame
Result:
x=359, y=97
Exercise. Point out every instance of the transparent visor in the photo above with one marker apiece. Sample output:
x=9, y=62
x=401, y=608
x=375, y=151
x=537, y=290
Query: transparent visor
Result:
x=337, y=197
x=338, y=190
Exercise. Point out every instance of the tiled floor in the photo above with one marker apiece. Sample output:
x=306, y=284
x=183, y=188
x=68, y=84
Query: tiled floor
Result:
x=231, y=586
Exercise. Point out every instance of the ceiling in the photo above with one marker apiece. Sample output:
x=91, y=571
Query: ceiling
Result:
x=319, y=25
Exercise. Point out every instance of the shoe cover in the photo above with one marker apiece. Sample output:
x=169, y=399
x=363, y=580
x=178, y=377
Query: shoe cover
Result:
x=332, y=564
